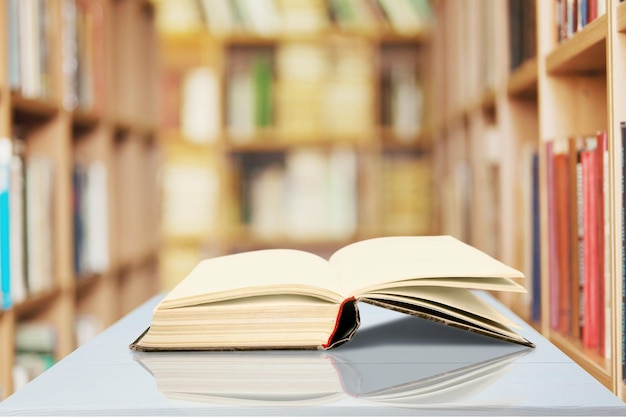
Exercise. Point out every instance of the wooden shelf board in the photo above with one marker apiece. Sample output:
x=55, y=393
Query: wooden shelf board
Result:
x=84, y=283
x=279, y=143
x=380, y=35
x=523, y=82
x=124, y=126
x=136, y=261
x=584, y=52
x=391, y=141
x=84, y=120
x=35, y=303
x=28, y=108
x=590, y=360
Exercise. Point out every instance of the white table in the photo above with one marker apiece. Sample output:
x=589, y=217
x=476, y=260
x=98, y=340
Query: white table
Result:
x=446, y=371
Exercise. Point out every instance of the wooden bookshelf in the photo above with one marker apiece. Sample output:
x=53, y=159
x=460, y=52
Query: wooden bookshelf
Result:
x=105, y=123
x=566, y=88
x=305, y=124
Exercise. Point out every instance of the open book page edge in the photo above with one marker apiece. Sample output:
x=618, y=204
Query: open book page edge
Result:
x=261, y=272
x=449, y=322
x=378, y=261
x=347, y=323
x=138, y=347
x=475, y=283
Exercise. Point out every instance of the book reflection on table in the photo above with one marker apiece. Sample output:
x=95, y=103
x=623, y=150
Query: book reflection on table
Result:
x=407, y=362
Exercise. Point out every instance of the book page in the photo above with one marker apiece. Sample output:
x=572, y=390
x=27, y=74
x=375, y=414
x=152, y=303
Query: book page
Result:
x=366, y=265
x=463, y=303
x=256, y=273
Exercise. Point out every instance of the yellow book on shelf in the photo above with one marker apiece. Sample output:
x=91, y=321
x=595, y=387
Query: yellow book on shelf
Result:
x=291, y=299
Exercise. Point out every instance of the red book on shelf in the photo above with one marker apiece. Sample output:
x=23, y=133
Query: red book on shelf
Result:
x=561, y=203
x=592, y=10
x=601, y=164
x=591, y=272
x=575, y=234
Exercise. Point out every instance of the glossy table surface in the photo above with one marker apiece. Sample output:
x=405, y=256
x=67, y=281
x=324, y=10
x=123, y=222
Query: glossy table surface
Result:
x=394, y=365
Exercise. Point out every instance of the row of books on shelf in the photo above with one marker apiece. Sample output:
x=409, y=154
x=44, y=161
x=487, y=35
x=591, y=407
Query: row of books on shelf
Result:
x=301, y=194
x=573, y=15
x=83, y=54
x=26, y=235
x=35, y=346
x=305, y=194
x=578, y=245
x=31, y=28
x=300, y=90
x=274, y=17
x=27, y=224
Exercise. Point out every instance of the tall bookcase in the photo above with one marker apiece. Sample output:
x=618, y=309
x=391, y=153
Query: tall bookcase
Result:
x=521, y=109
x=77, y=107
x=284, y=121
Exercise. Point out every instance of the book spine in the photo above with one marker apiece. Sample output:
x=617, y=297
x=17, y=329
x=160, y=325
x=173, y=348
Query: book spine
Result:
x=346, y=324
x=605, y=239
x=562, y=283
x=552, y=239
x=623, y=214
x=17, y=225
x=593, y=330
x=574, y=302
x=536, y=242
x=5, y=232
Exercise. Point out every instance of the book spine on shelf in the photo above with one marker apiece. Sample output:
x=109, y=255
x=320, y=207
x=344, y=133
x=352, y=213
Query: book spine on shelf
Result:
x=623, y=236
x=13, y=36
x=536, y=243
x=562, y=283
x=5, y=232
x=552, y=239
x=17, y=225
x=574, y=236
x=39, y=224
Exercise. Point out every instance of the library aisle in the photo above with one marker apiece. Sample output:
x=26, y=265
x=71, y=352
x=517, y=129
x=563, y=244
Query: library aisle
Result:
x=138, y=137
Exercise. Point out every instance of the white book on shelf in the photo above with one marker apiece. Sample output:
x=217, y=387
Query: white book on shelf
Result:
x=200, y=112
x=30, y=48
x=406, y=101
x=190, y=200
x=218, y=15
x=342, y=193
x=267, y=198
x=39, y=224
x=306, y=194
x=260, y=16
x=96, y=248
x=18, y=270
x=241, y=104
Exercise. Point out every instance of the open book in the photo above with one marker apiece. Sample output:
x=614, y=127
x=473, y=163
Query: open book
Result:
x=291, y=299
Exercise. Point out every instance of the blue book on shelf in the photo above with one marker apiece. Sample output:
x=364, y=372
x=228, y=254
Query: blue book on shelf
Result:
x=5, y=232
x=536, y=243
x=623, y=168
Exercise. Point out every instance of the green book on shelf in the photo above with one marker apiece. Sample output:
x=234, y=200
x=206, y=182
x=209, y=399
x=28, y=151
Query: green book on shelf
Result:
x=292, y=299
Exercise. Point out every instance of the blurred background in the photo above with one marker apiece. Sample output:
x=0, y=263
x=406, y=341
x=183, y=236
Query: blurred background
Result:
x=138, y=137
x=293, y=123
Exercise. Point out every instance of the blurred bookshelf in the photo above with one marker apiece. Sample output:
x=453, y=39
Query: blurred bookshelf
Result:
x=307, y=124
x=528, y=150
x=80, y=208
x=306, y=120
